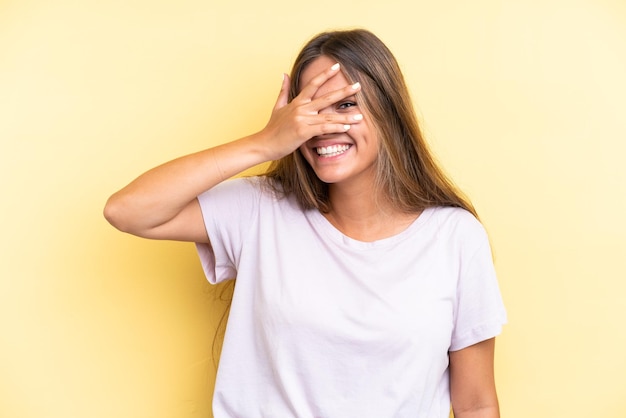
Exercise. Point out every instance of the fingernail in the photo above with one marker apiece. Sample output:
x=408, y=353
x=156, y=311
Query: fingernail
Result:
x=346, y=127
x=335, y=67
x=356, y=86
x=358, y=117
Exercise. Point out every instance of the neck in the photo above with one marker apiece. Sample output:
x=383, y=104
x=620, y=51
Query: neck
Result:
x=360, y=215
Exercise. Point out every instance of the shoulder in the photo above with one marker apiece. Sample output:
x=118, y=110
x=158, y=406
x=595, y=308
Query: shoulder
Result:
x=238, y=188
x=458, y=225
x=248, y=192
x=239, y=183
x=456, y=218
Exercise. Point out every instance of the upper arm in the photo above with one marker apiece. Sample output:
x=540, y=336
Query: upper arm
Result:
x=187, y=225
x=472, y=383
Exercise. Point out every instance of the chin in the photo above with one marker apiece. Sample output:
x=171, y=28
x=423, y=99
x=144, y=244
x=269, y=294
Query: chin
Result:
x=330, y=178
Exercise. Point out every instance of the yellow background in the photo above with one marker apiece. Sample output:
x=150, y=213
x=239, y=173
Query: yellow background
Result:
x=523, y=102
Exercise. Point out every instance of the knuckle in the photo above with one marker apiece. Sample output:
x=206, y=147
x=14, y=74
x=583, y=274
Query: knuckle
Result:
x=327, y=129
x=301, y=131
x=329, y=99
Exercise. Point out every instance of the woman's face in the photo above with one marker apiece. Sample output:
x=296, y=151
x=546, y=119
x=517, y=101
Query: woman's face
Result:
x=341, y=158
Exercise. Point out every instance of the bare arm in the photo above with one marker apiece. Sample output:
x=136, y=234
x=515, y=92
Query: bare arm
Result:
x=162, y=204
x=472, y=384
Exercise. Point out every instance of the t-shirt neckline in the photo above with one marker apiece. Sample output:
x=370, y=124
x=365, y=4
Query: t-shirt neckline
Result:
x=328, y=229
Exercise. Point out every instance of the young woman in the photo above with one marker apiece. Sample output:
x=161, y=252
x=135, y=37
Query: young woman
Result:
x=365, y=285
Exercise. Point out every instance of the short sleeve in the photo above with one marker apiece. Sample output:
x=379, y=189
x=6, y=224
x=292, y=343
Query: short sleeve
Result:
x=479, y=309
x=228, y=210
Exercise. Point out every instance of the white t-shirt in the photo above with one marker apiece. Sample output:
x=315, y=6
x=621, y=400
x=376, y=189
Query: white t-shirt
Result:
x=322, y=325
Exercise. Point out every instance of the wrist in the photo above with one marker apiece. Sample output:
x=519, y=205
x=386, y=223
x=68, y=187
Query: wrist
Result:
x=263, y=147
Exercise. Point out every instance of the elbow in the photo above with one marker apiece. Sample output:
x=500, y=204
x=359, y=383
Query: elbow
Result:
x=126, y=215
x=116, y=213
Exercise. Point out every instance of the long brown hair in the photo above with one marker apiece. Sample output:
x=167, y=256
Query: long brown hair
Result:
x=407, y=173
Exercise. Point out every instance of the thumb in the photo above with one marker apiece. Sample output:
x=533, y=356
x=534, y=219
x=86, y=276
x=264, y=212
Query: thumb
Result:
x=283, y=96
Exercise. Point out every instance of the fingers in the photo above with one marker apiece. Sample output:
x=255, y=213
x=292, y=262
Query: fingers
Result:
x=283, y=96
x=307, y=116
x=337, y=121
x=305, y=97
x=316, y=82
x=327, y=129
x=335, y=96
x=327, y=124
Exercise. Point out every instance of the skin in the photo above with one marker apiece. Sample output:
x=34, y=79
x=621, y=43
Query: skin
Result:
x=162, y=203
x=355, y=210
x=354, y=168
x=472, y=383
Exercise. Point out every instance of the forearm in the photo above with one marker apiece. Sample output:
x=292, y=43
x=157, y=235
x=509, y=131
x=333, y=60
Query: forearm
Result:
x=492, y=411
x=161, y=193
x=164, y=195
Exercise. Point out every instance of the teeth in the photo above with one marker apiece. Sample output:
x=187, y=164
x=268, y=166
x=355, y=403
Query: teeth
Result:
x=332, y=150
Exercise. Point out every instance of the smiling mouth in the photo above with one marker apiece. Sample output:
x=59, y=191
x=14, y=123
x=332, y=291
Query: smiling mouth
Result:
x=332, y=151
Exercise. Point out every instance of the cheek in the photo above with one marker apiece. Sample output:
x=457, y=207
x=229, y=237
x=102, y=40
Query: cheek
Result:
x=364, y=132
x=306, y=153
